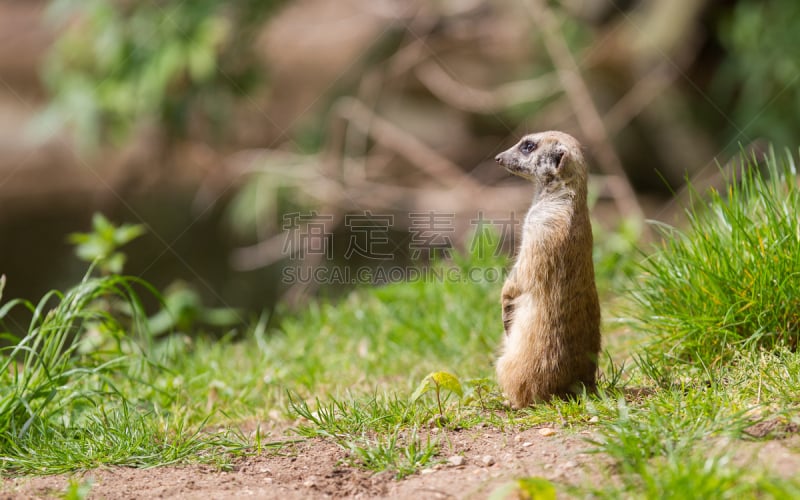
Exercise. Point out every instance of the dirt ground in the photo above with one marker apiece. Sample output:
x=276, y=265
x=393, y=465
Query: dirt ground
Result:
x=315, y=469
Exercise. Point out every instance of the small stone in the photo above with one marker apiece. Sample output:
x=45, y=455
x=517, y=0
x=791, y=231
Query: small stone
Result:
x=547, y=431
x=569, y=465
x=427, y=471
x=594, y=419
x=518, y=438
x=487, y=460
x=268, y=480
x=437, y=421
x=311, y=482
x=456, y=460
x=526, y=444
x=755, y=412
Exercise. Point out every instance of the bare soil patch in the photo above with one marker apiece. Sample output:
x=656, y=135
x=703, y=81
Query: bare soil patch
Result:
x=318, y=469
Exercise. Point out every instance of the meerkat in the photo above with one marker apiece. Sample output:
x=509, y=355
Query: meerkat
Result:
x=550, y=309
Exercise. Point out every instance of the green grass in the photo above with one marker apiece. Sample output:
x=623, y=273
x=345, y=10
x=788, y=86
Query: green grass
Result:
x=688, y=442
x=718, y=305
x=89, y=384
x=731, y=280
x=85, y=386
x=695, y=475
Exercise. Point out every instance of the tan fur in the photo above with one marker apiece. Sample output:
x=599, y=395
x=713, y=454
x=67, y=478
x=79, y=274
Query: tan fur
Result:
x=550, y=309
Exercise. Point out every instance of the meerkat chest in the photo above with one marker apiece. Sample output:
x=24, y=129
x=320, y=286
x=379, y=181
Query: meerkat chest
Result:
x=545, y=241
x=546, y=222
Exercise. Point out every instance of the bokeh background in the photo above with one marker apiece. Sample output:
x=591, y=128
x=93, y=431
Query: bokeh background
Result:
x=207, y=121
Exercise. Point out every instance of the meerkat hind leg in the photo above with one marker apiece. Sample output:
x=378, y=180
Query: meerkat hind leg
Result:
x=516, y=366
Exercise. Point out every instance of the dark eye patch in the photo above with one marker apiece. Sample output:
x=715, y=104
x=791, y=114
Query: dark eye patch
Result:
x=527, y=147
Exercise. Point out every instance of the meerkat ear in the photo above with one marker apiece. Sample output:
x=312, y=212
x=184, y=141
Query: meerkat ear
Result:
x=560, y=157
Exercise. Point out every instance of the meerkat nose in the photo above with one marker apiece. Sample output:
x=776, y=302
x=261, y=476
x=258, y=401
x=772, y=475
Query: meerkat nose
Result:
x=498, y=159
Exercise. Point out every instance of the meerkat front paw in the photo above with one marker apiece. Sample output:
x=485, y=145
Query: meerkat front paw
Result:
x=509, y=294
x=508, y=315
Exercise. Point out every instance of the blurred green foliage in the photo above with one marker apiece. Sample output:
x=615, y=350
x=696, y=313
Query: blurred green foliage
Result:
x=762, y=72
x=184, y=312
x=119, y=63
x=183, y=309
x=101, y=245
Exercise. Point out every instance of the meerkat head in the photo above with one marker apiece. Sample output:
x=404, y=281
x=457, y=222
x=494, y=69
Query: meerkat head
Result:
x=552, y=160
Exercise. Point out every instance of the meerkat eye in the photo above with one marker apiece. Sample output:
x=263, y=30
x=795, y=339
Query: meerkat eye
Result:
x=527, y=147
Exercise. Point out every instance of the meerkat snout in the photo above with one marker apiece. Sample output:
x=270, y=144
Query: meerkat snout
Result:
x=501, y=158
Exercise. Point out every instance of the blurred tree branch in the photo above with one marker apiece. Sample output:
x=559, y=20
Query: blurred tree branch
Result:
x=506, y=96
x=589, y=119
x=417, y=96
